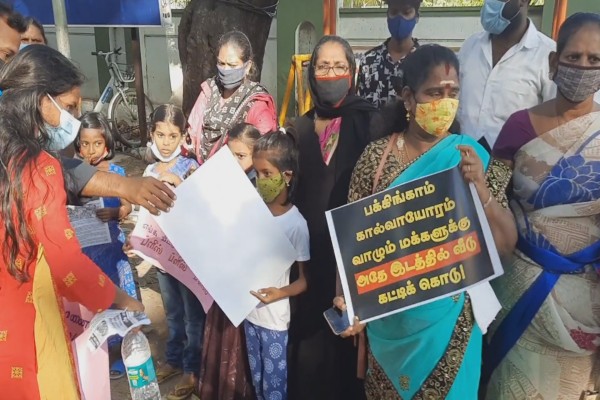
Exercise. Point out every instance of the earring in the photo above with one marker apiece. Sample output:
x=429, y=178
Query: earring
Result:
x=408, y=116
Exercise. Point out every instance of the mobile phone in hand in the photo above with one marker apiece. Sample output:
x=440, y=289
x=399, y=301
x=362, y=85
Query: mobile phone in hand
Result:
x=337, y=319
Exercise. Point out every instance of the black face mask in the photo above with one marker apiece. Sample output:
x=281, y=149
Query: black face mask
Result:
x=331, y=91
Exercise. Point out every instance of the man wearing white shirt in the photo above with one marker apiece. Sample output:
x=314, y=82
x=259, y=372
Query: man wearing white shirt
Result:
x=502, y=70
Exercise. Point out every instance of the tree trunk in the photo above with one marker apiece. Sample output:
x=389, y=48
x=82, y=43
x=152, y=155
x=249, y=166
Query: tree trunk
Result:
x=202, y=24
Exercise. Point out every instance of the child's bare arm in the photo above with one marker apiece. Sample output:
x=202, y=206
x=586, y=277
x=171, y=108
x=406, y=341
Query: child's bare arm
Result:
x=114, y=213
x=125, y=209
x=271, y=295
x=169, y=177
x=107, y=214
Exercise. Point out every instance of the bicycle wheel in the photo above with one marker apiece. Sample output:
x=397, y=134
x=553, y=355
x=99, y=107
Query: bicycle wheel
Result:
x=123, y=113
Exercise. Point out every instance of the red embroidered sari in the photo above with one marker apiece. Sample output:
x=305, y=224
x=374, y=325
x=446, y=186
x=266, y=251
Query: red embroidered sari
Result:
x=35, y=352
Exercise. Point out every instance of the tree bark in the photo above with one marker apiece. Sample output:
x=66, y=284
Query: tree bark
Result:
x=202, y=24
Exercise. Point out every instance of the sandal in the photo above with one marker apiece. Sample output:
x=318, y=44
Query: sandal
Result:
x=166, y=372
x=117, y=370
x=182, y=391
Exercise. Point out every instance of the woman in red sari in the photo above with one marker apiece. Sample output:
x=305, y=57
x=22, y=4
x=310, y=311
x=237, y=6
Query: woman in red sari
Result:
x=41, y=261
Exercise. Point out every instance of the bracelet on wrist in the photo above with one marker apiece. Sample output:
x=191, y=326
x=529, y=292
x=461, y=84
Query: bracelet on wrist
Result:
x=489, y=200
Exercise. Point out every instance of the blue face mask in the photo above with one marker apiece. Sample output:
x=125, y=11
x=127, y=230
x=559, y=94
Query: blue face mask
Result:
x=64, y=134
x=22, y=46
x=492, y=19
x=400, y=28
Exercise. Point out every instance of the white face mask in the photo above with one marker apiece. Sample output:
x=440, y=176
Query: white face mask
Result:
x=156, y=153
x=64, y=134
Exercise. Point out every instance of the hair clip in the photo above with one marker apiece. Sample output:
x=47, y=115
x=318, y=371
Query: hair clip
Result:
x=282, y=130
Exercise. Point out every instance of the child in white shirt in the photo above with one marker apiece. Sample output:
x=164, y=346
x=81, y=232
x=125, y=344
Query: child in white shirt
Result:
x=275, y=160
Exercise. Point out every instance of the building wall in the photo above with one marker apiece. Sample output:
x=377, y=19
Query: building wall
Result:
x=573, y=7
x=163, y=78
x=82, y=44
x=364, y=28
x=290, y=15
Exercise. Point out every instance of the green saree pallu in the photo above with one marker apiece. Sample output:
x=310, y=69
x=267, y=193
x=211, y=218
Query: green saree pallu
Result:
x=432, y=351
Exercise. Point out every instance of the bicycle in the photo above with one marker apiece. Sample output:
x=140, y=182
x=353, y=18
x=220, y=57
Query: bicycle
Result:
x=122, y=107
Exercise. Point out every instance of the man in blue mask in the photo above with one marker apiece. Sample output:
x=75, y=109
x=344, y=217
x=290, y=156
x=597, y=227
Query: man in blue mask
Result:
x=380, y=64
x=502, y=70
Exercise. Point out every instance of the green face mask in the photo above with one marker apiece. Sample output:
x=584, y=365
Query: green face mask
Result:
x=270, y=188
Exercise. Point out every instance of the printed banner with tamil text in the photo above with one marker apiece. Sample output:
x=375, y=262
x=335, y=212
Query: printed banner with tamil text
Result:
x=412, y=244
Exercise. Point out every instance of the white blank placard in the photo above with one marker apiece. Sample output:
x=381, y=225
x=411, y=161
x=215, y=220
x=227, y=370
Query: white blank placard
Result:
x=226, y=234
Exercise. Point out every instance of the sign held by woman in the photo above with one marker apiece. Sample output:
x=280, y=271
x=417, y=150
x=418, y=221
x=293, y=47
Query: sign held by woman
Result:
x=411, y=244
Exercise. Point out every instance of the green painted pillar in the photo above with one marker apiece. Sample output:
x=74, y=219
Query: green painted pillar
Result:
x=573, y=7
x=290, y=15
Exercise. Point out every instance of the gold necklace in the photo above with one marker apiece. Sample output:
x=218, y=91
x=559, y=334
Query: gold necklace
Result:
x=405, y=161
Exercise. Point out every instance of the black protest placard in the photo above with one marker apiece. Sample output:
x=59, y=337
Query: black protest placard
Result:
x=411, y=244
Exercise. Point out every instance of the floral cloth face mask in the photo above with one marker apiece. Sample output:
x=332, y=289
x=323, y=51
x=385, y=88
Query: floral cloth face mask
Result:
x=437, y=116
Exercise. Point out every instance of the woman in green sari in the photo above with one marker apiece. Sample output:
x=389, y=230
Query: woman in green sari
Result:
x=432, y=351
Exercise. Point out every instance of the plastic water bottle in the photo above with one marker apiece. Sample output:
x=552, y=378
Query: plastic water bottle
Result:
x=140, y=369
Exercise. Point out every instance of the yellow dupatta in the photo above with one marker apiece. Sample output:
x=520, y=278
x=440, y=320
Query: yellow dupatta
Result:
x=56, y=373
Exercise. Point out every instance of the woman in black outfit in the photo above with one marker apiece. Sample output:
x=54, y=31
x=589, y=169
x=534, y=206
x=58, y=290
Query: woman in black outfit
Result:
x=331, y=138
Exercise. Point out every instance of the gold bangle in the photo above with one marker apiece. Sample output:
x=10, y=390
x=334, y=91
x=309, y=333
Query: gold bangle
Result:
x=489, y=201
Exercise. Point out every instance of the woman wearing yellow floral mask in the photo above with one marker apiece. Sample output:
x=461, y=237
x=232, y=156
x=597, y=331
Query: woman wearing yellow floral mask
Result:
x=442, y=333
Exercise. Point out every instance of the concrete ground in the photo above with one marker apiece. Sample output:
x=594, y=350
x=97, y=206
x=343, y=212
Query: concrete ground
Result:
x=148, y=283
